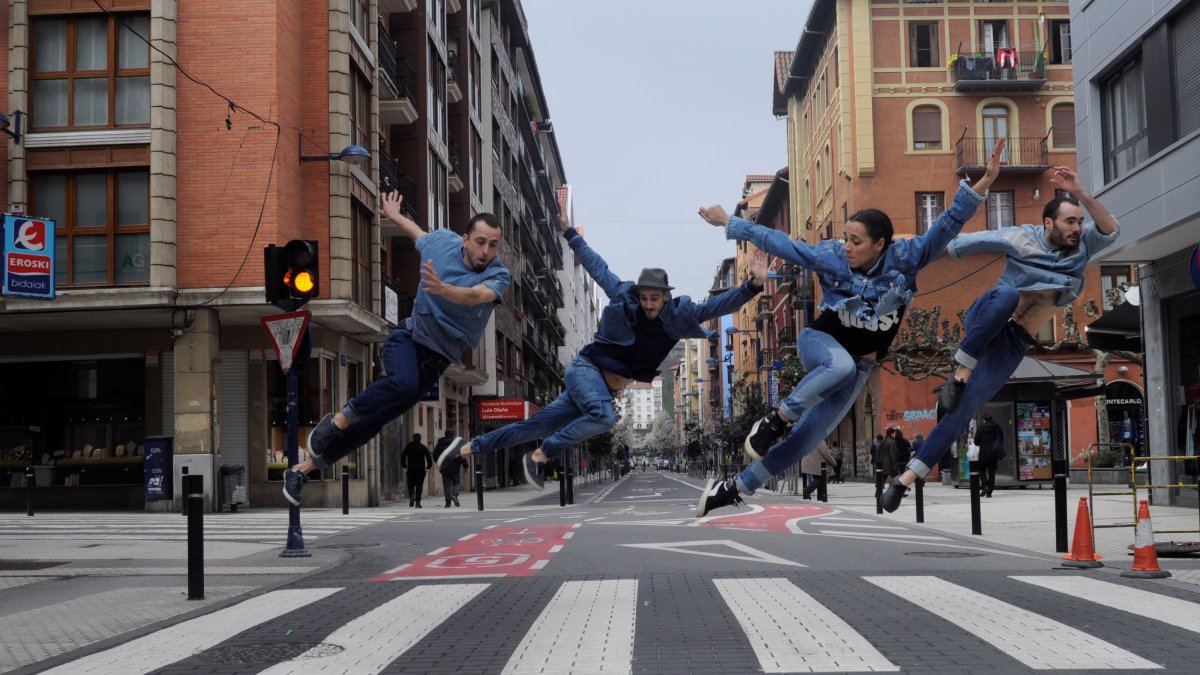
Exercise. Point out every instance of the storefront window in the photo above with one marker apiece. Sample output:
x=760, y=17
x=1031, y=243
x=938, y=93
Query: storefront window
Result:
x=1184, y=415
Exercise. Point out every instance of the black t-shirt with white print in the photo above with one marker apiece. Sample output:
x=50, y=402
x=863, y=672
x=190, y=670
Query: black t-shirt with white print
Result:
x=860, y=338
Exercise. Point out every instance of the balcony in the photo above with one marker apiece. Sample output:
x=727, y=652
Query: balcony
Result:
x=787, y=337
x=454, y=182
x=397, y=304
x=397, y=6
x=398, y=84
x=1001, y=69
x=453, y=91
x=1021, y=155
x=765, y=306
x=766, y=358
x=470, y=373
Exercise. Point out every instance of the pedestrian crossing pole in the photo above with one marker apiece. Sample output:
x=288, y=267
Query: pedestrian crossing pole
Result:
x=295, y=537
x=292, y=339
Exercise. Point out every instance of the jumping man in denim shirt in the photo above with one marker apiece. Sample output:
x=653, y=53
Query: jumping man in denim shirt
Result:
x=1043, y=271
x=461, y=282
x=866, y=283
x=638, y=329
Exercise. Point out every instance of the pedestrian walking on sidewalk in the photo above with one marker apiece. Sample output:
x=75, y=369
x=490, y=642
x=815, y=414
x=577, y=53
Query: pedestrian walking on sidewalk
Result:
x=811, y=466
x=990, y=439
x=415, y=460
x=867, y=281
x=1043, y=270
x=462, y=280
x=638, y=329
x=452, y=472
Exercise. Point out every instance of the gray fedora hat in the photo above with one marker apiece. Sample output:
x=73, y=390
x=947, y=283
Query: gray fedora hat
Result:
x=652, y=279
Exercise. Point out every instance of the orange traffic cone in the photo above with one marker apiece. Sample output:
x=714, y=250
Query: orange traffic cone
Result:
x=1145, y=556
x=1083, y=552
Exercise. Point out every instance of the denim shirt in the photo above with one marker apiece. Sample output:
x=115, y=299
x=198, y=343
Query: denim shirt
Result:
x=444, y=326
x=1032, y=263
x=681, y=317
x=889, y=285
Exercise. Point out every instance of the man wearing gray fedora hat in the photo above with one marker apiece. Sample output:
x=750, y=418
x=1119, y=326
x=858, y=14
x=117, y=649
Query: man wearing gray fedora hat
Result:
x=638, y=328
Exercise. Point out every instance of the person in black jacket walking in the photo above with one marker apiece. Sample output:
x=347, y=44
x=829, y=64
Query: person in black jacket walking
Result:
x=452, y=471
x=990, y=439
x=415, y=460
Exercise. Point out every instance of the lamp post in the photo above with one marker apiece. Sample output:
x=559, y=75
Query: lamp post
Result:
x=351, y=154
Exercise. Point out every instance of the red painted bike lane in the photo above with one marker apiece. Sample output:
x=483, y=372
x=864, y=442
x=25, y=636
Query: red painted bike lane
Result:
x=771, y=518
x=494, y=552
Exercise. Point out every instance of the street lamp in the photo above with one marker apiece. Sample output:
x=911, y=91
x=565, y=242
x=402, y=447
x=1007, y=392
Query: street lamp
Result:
x=351, y=154
x=13, y=128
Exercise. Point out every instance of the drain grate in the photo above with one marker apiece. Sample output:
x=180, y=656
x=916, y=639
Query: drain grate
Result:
x=269, y=652
x=944, y=554
x=23, y=565
x=1174, y=548
x=362, y=545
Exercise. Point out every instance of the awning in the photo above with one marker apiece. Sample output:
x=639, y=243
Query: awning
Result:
x=1118, y=329
x=1041, y=380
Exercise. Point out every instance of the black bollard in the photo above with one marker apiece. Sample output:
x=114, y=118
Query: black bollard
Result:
x=183, y=474
x=193, y=490
x=976, y=524
x=878, y=487
x=478, y=482
x=920, y=497
x=1061, y=470
x=823, y=490
x=570, y=480
x=562, y=488
x=30, y=483
x=345, y=489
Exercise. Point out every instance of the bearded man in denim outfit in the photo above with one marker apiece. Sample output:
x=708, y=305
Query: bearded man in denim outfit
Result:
x=1044, y=266
x=638, y=329
x=866, y=282
x=462, y=280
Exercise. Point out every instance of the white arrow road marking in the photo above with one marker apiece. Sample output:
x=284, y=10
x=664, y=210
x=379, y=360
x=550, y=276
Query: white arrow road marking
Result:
x=752, y=554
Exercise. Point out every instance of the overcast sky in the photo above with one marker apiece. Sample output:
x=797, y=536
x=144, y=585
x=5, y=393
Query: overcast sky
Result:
x=660, y=107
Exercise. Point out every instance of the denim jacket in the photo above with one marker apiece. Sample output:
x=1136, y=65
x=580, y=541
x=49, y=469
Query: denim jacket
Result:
x=890, y=284
x=1032, y=262
x=681, y=317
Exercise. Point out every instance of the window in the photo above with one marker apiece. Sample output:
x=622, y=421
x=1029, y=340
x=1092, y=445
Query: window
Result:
x=438, y=191
x=1185, y=39
x=1062, y=122
x=999, y=209
x=1123, y=106
x=475, y=86
x=360, y=110
x=993, y=35
x=359, y=17
x=1046, y=334
x=436, y=88
x=923, y=45
x=1113, y=276
x=995, y=127
x=501, y=351
x=360, y=247
x=929, y=205
x=927, y=127
x=102, y=236
x=476, y=165
x=90, y=72
x=1060, y=41
x=436, y=12
x=828, y=178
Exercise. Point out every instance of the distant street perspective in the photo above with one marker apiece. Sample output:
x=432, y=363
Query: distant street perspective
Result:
x=554, y=337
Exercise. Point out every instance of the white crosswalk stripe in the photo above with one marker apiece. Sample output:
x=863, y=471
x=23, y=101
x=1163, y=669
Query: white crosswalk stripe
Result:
x=793, y=633
x=591, y=627
x=382, y=635
x=178, y=642
x=588, y=627
x=1038, y=642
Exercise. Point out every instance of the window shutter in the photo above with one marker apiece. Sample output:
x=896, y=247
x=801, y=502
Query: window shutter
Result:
x=927, y=125
x=912, y=44
x=1185, y=33
x=935, y=55
x=1062, y=118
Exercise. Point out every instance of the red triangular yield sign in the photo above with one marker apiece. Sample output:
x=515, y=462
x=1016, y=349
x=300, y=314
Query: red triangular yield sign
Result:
x=286, y=331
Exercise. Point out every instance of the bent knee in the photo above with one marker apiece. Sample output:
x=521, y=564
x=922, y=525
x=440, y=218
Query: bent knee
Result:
x=602, y=412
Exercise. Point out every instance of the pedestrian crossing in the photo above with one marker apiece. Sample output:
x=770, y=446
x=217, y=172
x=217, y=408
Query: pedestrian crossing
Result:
x=258, y=526
x=788, y=624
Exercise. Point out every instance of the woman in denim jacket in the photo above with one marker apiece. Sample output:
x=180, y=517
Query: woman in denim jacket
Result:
x=638, y=328
x=866, y=283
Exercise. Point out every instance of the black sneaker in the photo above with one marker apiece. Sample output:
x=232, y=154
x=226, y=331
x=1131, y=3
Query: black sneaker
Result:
x=717, y=494
x=890, y=499
x=534, y=471
x=763, y=435
x=453, y=450
x=322, y=435
x=950, y=395
x=293, y=483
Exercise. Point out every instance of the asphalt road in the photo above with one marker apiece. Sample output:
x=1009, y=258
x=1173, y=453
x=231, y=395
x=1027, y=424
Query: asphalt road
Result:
x=628, y=581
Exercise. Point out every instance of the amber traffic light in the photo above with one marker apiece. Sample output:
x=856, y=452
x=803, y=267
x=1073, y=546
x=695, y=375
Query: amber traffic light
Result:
x=291, y=272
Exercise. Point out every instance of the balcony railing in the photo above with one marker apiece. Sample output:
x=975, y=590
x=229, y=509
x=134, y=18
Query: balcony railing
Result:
x=999, y=69
x=787, y=337
x=388, y=59
x=766, y=359
x=455, y=159
x=765, y=305
x=1021, y=154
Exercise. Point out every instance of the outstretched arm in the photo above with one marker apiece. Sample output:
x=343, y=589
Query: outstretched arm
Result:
x=459, y=295
x=1066, y=179
x=729, y=301
x=764, y=238
x=591, y=261
x=389, y=207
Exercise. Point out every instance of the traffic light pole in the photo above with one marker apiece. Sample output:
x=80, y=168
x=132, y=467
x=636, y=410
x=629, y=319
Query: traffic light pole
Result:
x=295, y=538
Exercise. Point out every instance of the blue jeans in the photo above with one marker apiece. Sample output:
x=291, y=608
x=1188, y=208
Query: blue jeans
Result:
x=1001, y=357
x=985, y=320
x=583, y=410
x=828, y=365
x=412, y=371
x=814, y=425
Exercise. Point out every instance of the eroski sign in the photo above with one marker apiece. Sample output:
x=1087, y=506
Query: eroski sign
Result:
x=28, y=257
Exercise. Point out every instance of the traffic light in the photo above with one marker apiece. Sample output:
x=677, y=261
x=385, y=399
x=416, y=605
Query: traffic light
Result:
x=291, y=272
